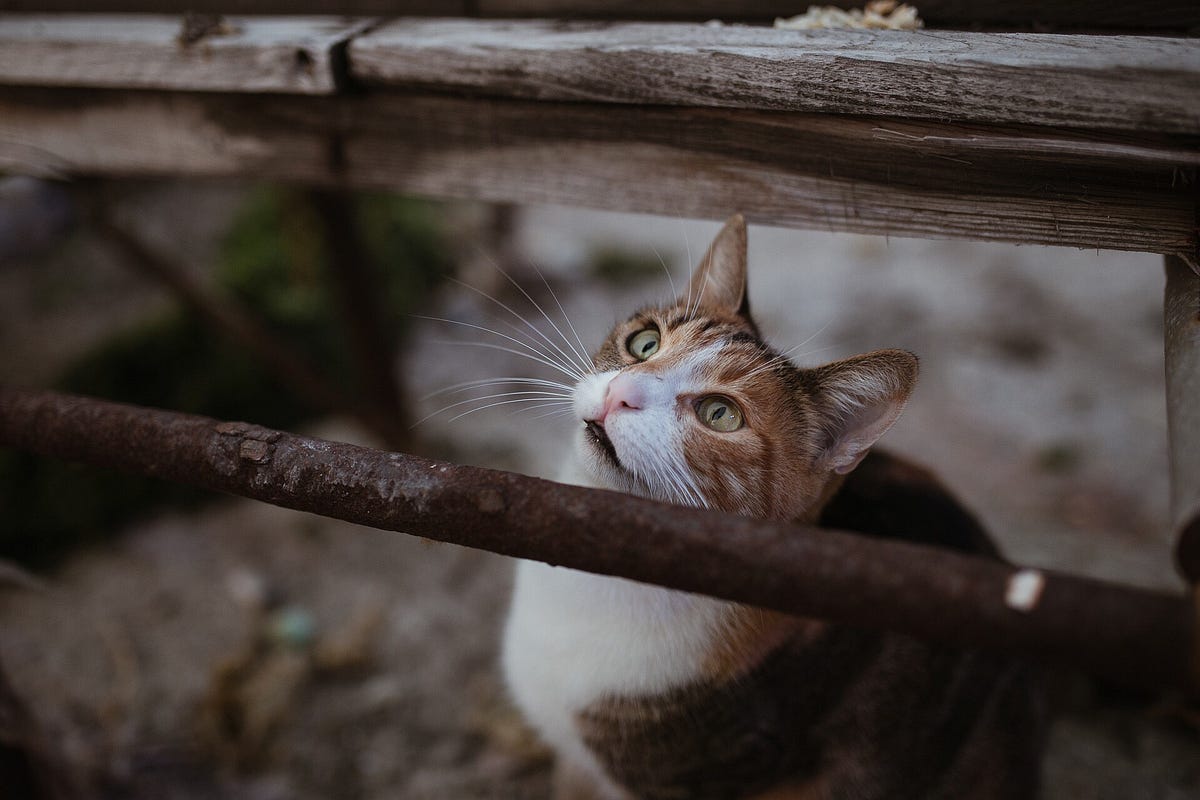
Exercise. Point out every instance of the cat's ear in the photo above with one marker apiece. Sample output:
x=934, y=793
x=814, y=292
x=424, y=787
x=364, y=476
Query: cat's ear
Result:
x=719, y=282
x=858, y=400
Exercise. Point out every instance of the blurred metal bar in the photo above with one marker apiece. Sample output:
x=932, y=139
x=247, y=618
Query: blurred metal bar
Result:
x=1181, y=314
x=238, y=324
x=356, y=286
x=1127, y=634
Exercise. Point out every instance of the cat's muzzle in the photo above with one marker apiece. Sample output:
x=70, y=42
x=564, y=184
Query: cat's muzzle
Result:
x=599, y=437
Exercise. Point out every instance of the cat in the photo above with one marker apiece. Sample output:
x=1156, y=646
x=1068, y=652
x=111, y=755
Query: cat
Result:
x=646, y=692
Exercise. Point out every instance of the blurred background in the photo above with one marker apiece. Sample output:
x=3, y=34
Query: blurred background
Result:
x=177, y=644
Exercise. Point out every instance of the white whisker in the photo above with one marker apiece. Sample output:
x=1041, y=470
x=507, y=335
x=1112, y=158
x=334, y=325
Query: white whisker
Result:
x=584, y=360
x=582, y=350
x=494, y=405
x=529, y=395
x=459, y=387
x=688, y=485
x=559, y=406
x=819, y=331
x=545, y=358
x=814, y=351
x=782, y=358
x=502, y=348
x=766, y=366
x=561, y=412
x=566, y=358
x=670, y=279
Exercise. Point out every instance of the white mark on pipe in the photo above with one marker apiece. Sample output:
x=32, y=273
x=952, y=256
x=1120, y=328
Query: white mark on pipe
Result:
x=1024, y=589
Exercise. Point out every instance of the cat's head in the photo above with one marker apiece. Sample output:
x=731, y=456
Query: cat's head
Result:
x=688, y=404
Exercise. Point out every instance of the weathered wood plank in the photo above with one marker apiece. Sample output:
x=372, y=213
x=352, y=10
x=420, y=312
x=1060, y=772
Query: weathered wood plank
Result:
x=871, y=176
x=1092, y=14
x=349, y=8
x=1112, y=82
x=848, y=174
x=1178, y=15
x=130, y=134
x=243, y=54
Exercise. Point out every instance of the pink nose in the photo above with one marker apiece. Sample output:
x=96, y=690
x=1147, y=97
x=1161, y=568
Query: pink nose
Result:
x=624, y=393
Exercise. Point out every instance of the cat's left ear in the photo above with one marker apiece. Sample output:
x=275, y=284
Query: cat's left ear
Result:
x=858, y=400
x=719, y=282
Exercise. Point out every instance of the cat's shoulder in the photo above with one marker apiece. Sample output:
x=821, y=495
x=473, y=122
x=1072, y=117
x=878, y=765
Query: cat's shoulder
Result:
x=889, y=496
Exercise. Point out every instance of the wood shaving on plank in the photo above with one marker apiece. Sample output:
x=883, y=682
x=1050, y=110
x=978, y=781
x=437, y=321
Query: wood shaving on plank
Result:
x=877, y=15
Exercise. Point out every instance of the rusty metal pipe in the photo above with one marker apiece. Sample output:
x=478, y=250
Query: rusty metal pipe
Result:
x=1133, y=635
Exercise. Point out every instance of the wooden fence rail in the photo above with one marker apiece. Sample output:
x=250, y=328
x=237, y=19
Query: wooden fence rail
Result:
x=1127, y=634
x=1070, y=140
x=1161, y=15
x=1115, y=82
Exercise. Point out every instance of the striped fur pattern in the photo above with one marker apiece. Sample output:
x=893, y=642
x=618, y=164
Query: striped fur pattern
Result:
x=647, y=692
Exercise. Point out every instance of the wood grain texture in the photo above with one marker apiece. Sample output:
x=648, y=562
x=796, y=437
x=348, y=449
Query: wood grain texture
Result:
x=128, y=134
x=349, y=8
x=893, y=177
x=247, y=54
x=1117, y=82
x=1089, y=14
x=1078, y=13
x=843, y=174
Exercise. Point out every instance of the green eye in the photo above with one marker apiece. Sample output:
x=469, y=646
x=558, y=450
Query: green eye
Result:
x=643, y=344
x=719, y=413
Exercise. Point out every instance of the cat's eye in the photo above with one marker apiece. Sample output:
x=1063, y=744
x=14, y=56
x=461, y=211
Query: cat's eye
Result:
x=719, y=413
x=643, y=344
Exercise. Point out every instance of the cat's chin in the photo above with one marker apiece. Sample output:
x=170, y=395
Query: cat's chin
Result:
x=596, y=464
x=597, y=440
x=593, y=466
x=596, y=458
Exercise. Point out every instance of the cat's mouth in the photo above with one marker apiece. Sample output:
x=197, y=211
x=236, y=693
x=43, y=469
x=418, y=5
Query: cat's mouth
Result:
x=599, y=437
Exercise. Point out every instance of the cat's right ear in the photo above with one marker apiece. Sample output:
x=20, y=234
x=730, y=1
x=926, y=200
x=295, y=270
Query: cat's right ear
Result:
x=719, y=282
x=857, y=401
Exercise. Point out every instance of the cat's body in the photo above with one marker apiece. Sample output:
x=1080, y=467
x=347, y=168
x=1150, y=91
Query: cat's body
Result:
x=649, y=692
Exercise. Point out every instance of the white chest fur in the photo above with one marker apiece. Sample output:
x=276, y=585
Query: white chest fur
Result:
x=573, y=638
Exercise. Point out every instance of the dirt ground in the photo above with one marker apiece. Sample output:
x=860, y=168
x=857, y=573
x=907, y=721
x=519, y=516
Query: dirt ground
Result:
x=250, y=652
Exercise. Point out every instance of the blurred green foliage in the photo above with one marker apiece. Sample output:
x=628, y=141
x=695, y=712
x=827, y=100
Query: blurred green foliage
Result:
x=621, y=266
x=273, y=259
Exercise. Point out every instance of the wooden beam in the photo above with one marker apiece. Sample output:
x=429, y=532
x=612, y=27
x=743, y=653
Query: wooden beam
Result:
x=995, y=183
x=834, y=173
x=1178, y=15
x=346, y=8
x=1117, y=82
x=63, y=134
x=1092, y=14
x=1136, y=83
x=237, y=54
